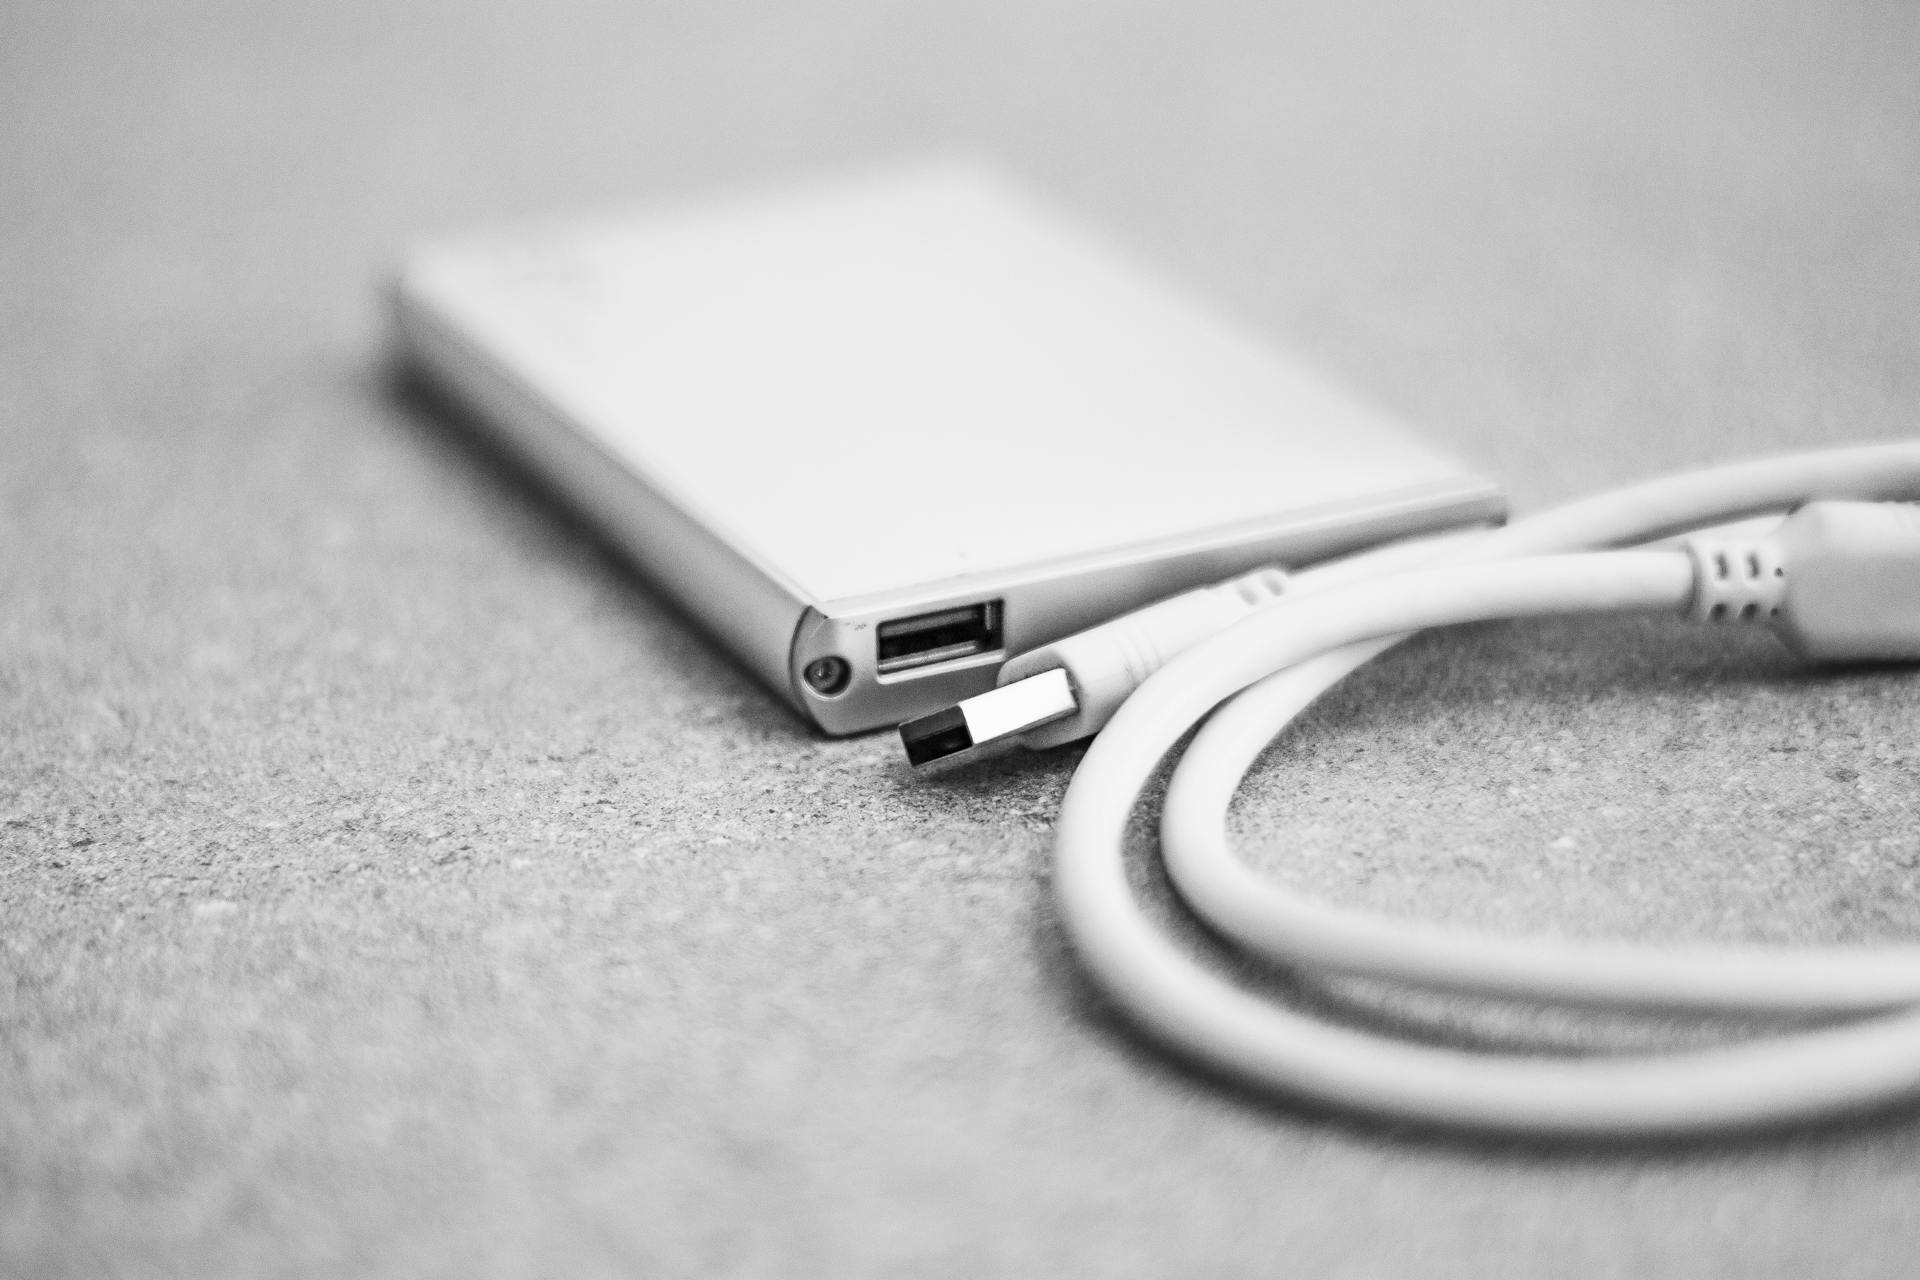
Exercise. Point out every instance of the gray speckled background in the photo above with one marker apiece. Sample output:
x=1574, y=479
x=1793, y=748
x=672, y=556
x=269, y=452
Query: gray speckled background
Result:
x=391, y=885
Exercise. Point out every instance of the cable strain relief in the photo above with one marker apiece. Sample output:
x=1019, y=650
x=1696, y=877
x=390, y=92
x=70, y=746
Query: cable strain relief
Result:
x=1737, y=580
x=1149, y=638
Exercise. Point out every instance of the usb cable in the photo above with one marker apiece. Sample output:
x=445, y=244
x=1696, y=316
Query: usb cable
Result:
x=1838, y=579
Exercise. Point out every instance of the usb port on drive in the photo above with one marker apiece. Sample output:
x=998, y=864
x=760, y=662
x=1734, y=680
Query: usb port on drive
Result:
x=943, y=636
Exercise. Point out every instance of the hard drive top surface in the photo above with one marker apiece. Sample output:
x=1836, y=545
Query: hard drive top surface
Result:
x=778, y=368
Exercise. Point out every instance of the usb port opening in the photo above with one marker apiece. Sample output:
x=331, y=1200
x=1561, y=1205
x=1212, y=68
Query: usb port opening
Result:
x=943, y=636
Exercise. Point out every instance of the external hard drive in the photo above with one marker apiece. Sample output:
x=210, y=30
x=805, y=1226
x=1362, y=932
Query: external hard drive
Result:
x=881, y=435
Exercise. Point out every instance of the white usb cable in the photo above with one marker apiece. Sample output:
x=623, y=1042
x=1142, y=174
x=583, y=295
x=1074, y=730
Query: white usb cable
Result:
x=1839, y=580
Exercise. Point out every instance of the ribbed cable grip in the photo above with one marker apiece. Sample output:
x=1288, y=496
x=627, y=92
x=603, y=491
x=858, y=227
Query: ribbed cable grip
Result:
x=1737, y=580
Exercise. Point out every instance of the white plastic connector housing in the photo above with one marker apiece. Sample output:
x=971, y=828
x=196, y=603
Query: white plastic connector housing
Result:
x=1852, y=581
x=1737, y=579
x=1108, y=662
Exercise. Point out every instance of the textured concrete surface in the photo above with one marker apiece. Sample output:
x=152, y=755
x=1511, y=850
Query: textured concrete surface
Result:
x=391, y=885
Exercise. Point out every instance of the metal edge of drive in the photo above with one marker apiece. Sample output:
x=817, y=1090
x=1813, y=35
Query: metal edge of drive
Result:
x=748, y=609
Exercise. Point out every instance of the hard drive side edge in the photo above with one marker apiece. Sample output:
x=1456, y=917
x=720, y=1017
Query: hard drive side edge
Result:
x=753, y=615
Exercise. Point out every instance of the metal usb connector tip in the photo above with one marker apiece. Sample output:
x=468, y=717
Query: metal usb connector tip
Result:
x=989, y=717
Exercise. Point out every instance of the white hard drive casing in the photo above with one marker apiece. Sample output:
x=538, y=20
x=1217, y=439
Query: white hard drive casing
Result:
x=882, y=434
